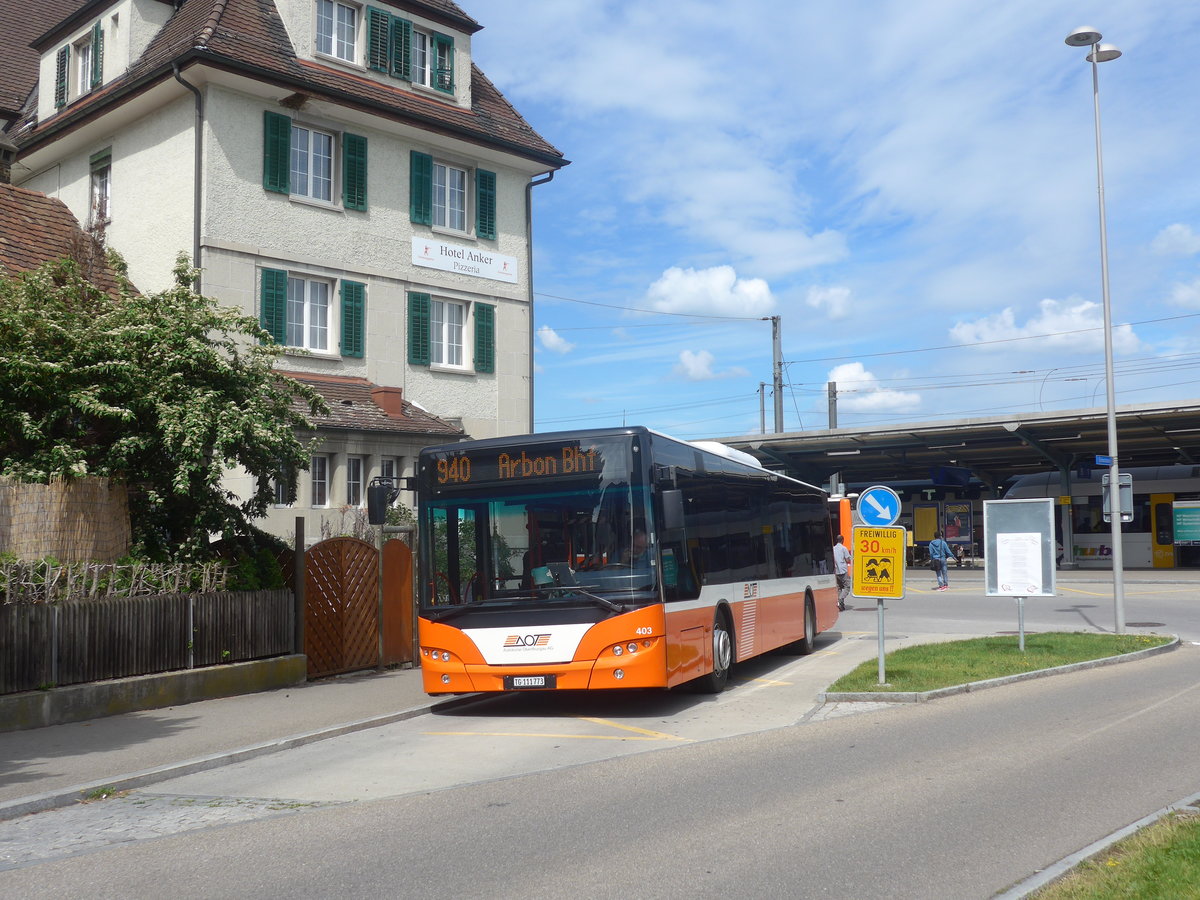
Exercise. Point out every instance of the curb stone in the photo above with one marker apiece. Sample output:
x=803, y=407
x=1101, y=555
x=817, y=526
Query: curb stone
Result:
x=1058, y=870
x=13, y=809
x=925, y=696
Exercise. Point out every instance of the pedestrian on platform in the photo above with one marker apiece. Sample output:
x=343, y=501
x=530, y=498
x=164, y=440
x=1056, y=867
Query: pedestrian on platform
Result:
x=939, y=554
x=841, y=565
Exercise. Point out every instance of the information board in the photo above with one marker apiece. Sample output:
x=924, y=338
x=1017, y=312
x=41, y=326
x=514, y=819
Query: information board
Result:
x=1020, y=552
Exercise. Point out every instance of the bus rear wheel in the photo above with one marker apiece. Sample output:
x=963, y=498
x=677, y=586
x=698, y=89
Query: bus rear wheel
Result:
x=714, y=682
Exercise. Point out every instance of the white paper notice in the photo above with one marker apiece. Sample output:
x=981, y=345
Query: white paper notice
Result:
x=1019, y=564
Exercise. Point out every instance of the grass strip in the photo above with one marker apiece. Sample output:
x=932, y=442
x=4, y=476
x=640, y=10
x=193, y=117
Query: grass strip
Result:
x=1160, y=862
x=928, y=667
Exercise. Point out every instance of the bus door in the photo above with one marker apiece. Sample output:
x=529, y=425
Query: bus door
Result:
x=1162, y=530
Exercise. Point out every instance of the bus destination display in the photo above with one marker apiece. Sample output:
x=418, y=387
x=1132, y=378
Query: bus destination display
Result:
x=540, y=461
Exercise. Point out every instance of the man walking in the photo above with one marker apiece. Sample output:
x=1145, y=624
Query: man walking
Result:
x=841, y=565
x=939, y=555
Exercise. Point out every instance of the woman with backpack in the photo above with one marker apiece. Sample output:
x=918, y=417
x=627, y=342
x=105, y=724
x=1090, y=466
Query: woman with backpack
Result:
x=939, y=554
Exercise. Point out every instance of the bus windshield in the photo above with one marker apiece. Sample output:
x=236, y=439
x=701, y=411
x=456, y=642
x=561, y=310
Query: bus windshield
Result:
x=582, y=538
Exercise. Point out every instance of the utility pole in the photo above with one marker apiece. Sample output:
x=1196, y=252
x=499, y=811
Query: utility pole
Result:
x=762, y=407
x=777, y=367
x=831, y=388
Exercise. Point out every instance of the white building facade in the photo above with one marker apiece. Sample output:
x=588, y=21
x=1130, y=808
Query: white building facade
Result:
x=340, y=170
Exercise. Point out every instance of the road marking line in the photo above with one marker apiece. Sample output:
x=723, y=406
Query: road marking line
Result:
x=535, y=734
x=763, y=681
x=652, y=735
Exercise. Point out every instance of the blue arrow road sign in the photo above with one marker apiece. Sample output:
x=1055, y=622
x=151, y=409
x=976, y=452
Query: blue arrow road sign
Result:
x=879, y=506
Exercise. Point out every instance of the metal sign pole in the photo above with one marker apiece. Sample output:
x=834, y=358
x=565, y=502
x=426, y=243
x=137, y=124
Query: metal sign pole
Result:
x=1021, y=622
x=882, y=677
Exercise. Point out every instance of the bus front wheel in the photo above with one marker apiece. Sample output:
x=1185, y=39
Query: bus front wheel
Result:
x=714, y=682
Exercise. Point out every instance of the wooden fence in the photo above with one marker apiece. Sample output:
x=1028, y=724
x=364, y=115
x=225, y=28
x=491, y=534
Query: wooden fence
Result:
x=50, y=644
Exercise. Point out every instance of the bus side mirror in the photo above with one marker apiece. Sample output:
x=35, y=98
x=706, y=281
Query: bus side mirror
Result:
x=381, y=493
x=672, y=507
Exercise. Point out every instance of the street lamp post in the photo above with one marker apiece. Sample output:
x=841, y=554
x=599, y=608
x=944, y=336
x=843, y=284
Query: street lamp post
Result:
x=1090, y=37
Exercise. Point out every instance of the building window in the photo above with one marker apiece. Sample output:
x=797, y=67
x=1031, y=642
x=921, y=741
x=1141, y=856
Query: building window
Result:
x=449, y=197
x=296, y=311
x=432, y=60
x=101, y=188
x=320, y=480
x=303, y=162
x=354, y=480
x=436, y=330
x=337, y=30
x=284, y=484
x=307, y=313
x=312, y=164
x=446, y=332
x=387, y=468
x=83, y=66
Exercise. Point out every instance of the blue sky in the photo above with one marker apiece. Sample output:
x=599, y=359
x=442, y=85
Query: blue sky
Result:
x=909, y=185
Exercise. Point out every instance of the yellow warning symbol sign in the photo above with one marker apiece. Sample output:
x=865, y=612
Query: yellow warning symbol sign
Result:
x=879, y=556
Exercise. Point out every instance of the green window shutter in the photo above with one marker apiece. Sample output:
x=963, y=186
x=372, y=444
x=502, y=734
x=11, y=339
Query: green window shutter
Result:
x=61, y=64
x=420, y=188
x=485, y=338
x=443, y=46
x=353, y=318
x=485, y=204
x=378, y=51
x=418, y=329
x=273, y=317
x=277, y=145
x=354, y=171
x=402, y=48
x=97, y=55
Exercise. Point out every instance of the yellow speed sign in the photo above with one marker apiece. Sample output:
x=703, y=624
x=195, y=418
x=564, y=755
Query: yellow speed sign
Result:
x=879, y=555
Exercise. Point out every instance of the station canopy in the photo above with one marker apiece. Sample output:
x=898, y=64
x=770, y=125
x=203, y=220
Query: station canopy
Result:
x=986, y=451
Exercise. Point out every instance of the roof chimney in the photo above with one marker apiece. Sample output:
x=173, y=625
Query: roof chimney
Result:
x=389, y=399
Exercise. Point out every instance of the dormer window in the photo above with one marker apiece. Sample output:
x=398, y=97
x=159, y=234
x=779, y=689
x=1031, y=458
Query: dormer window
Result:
x=79, y=67
x=337, y=30
x=432, y=60
x=397, y=47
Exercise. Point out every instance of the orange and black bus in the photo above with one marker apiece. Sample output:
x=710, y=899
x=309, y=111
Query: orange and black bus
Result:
x=614, y=558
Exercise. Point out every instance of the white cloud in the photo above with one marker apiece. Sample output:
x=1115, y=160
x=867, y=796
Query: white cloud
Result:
x=1186, y=294
x=699, y=367
x=1074, y=325
x=834, y=300
x=1176, y=240
x=552, y=341
x=716, y=291
x=859, y=391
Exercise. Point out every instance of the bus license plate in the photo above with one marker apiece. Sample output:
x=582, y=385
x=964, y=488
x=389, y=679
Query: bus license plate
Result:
x=528, y=682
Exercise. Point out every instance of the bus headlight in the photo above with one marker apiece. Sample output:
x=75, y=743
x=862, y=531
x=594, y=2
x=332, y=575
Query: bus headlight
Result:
x=618, y=674
x=618, y=650
x=632, y=648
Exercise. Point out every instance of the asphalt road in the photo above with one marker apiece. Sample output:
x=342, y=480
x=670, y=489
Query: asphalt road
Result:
x=760, y=791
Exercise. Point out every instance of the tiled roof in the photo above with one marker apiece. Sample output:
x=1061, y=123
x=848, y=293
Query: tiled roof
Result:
x=248, y=36
x=352, y=407
x=35, y=228
x=19, y=26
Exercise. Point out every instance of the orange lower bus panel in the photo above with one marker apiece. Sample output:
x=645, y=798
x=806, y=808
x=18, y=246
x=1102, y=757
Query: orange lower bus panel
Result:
x=594, y=665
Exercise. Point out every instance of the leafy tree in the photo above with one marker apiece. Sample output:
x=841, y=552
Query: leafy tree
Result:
x=166, y=391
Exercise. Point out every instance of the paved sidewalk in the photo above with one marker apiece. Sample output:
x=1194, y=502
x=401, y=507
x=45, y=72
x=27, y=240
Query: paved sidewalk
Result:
x=46, y=767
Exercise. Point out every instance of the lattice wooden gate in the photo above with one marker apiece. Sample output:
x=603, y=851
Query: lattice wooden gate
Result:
x=341, y=616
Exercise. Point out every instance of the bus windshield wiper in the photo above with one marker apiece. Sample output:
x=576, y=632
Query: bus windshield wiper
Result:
x=594, y=598
x=455, y=611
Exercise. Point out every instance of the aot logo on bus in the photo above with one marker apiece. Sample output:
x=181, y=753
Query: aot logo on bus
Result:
x=526, y=640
